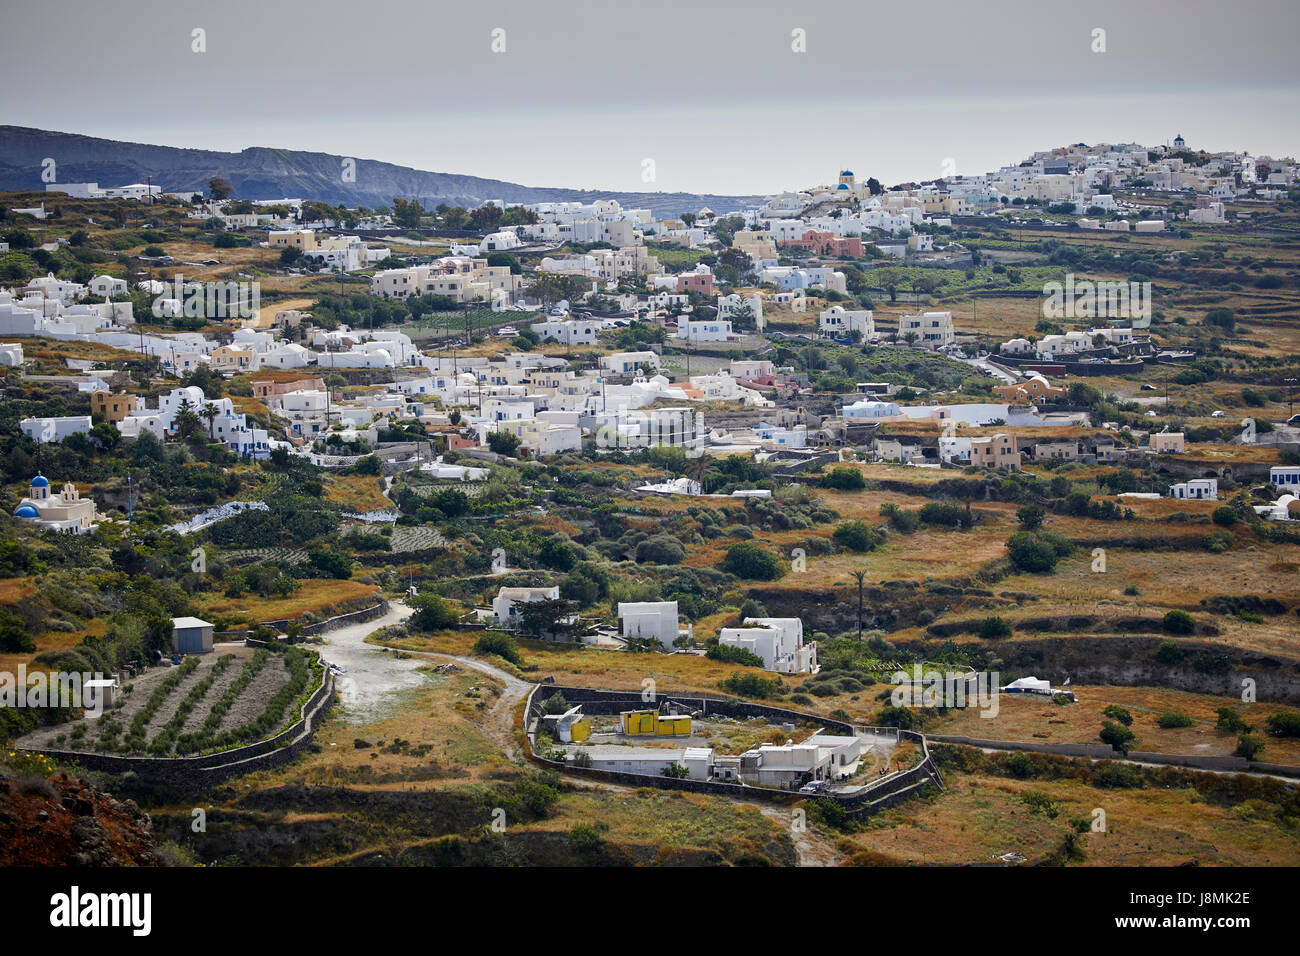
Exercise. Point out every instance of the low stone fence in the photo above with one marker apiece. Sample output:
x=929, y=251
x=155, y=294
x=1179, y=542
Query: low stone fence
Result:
x=1092, y=751
x=896, y=787
x=1222, y=763
x=333, y=623
x=614, y=701
x=877, y=795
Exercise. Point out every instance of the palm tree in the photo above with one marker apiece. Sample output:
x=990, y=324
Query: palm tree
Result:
x=185, y=421
x=210, y=412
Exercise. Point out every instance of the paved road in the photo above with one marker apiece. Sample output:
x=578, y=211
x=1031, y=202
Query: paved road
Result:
x=988, y=368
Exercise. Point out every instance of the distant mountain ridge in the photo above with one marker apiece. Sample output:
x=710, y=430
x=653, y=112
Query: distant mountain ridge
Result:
x=261, y=172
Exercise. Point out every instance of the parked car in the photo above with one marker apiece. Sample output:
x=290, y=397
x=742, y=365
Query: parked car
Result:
x=816, y=786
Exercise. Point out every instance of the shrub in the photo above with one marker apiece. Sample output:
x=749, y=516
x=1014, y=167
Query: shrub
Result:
x=1249, y=746
x=1031, y=516
x=1173, y=720
x=1118, y=713
x=902, y=519
x=503, y=443
x=587, y=836
x=1040, y=803
x=747, y=560
x=944, y=514
x=500, y=644
x=844, y=478
x=900, y=717
x=555, y=704
x=1225, y=516
x=1118, y=736
x=1217, y=542
x=856, y=536
x=992, y=628
x=1116, y=776
x=1231, y=721
x=1037, y=552
x=1178, y=622
x=733, y=655
x=661, y=549
x=432, y=613
x=1170, y=653
x=829, y=813
x=1283, y=724
x=750, y=685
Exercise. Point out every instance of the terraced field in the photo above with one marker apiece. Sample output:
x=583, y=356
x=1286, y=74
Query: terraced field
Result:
x=205, y=704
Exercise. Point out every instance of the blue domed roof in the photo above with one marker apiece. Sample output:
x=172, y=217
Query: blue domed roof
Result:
x=843, y=186
x=40, y=481
x=846, y=172
x=27, y=511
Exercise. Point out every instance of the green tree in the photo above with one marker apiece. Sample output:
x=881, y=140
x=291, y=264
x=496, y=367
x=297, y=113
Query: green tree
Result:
x=1118, y=713
x=432, y=613
x=407, y=213
x=1031, y=516
x=747, y=560
x=503, y=443
x=1117, y=735
x=856, y=536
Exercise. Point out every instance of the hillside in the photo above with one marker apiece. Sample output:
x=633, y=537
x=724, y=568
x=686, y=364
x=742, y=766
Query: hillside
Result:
x=265, y=173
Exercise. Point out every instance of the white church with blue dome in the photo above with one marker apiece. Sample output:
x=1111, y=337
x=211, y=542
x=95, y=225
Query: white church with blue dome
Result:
x=67, y=511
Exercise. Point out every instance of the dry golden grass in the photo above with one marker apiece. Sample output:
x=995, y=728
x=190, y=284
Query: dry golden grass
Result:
x=439, y=721
x=589, y=666
x=982, y=817
x=660, y=825
x=355, y=492
x=52, y=641
x=312, y=597
x=13, y=590
x=50, y=350
x=1026, y=719
x=266, y=314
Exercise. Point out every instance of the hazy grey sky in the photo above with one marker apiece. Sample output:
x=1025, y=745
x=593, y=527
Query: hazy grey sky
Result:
x=711, y=91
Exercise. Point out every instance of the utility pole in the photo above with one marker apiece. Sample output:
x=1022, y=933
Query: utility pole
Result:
x=859, y=576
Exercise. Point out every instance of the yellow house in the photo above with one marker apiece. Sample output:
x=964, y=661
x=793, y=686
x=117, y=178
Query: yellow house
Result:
x=228, y=358
x=650, y=722
x=113, y=407
x=1035, y=389
x=303, y=240
x=1165, y=443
